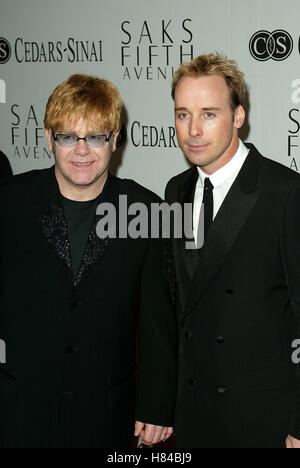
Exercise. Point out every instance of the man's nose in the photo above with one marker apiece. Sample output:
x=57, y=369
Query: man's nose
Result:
x=196, y=128
x=82, y=148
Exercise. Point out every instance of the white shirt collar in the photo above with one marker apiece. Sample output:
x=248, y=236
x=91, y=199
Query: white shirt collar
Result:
x=229, y=171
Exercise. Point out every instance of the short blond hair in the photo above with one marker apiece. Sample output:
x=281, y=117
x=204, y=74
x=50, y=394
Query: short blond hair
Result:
x=95, y=100
x=215, y=64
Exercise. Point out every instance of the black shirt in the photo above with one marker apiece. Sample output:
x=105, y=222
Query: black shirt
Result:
x=80, y=217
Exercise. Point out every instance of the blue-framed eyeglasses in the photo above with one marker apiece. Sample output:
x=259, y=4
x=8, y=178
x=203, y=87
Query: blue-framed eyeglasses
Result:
x=69, y=140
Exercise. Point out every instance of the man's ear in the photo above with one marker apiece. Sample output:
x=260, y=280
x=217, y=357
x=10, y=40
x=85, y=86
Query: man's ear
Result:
x=48, y=134
x=114, y=142
x=239, y=117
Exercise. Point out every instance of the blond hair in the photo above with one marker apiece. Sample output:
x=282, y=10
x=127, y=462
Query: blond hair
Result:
x=215, y=64
x=95, y=100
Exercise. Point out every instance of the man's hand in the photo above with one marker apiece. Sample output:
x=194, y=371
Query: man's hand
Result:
x=152, y=434
x=292, y=443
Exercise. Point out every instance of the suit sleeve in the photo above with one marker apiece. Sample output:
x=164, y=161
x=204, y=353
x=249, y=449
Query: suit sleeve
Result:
x=291, y=256
x=157, y=349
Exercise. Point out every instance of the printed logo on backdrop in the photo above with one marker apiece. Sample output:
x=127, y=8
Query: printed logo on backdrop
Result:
x=72, y=51
x=27, y=134
x=294, y=129
x=277, y=45
x=5, y=50
x=151, y=136
x=154, y=51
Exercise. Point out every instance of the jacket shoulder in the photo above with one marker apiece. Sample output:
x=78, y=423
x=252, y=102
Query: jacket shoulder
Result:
x=138, y=192
x=179, y=179
x=176, y=181
x=26, y=180
x=279, y=175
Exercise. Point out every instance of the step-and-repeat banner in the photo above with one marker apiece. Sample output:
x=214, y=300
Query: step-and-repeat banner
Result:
x=138, y=44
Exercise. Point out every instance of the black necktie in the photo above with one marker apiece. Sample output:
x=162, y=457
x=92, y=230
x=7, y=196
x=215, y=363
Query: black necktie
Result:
x=206, y=212
x=208, y=201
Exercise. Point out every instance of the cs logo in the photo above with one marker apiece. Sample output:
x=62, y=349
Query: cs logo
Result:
x=277, y=45
x=5, y=50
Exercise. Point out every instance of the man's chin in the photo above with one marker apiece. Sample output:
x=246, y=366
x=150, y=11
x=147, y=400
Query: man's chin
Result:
x=88, y=181
x=80, y=180
x=84, y=179
x=82, y=183
x=198, y=159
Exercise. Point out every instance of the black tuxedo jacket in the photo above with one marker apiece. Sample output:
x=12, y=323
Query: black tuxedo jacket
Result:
x=69, y=377
x=238, y=311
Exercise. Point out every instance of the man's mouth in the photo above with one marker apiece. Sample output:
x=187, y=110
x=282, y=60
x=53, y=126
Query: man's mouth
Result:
x=82, y=164
x=194, y=147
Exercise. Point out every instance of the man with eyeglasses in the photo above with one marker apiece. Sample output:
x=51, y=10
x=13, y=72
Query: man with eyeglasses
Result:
x=71, y=303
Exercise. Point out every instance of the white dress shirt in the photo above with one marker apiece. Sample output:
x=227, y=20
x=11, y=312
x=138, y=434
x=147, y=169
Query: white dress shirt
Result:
x=222, y=181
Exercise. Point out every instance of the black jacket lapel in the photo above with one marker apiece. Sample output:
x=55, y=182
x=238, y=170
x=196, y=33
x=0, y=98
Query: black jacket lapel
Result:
x=186, y=260
x=230, y=219
x=186, y=195
x=54, y=227
x=95, y=249
x=51, y=216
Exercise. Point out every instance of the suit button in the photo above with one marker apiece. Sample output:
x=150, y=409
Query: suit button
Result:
x=192, y=382
x=188, y=335
x=221, y=340
x=222, y=390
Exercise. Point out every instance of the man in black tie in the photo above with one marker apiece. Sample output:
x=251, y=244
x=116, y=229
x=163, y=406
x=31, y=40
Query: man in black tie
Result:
x=238, y=293
x=207, y=211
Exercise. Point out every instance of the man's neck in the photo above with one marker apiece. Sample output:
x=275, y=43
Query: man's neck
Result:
x=224, y=159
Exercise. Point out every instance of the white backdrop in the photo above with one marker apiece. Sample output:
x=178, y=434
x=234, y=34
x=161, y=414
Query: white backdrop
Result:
x=137, y=44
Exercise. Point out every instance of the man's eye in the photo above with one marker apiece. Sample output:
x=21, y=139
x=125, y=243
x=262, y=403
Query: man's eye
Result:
x=182, y=116
x=95, y=140
x=95, y=137
x=209, y=115
x=68, y=137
